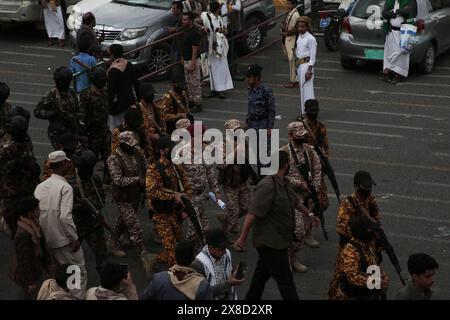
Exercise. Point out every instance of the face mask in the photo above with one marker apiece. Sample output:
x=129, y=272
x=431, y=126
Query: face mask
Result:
x=148, y=99
x=312, y=116
x=19, y=135
x=178, y=90
x=364, y=193
x=62, y=86
x=127, y=149
x=69, y=153
x=299, y=141
x=134, y=125
x=85, y=172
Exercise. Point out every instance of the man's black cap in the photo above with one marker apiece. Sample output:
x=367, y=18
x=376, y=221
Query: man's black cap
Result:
x=217, y=238
x=165, y=142
x=253, y=70
x=84, y=158
x=19, y=123
x=68, y=141
x=363, y=179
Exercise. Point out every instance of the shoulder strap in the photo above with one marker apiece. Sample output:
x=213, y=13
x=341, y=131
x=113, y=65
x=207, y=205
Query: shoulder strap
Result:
x=162, y=173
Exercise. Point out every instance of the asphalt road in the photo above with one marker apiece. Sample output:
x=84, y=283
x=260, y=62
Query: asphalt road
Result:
x=399, y=133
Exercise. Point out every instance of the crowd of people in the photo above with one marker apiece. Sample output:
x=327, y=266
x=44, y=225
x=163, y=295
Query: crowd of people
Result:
x=113, y=117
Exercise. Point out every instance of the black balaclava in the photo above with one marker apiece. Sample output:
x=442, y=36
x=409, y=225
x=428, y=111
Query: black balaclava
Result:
x=133, y=118
x=98, y=78
x=19, y=128
x=127, y=148
x=62, y=77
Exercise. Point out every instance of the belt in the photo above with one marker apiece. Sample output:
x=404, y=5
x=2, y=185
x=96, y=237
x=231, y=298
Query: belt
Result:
x=301, y=61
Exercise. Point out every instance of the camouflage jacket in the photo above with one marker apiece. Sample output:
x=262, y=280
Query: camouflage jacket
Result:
x=19, y=170
x=294, y=176
x=125, y=171
x=63, y=113
x=261, y=108
x=172, y=107
x=81, y=216
x=95, y=106
x=4, y=109
x=346, y=211
x=199, y=175
x=319, y=130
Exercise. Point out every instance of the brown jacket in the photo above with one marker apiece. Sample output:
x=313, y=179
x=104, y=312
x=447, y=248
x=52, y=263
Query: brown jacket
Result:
x=27, y=268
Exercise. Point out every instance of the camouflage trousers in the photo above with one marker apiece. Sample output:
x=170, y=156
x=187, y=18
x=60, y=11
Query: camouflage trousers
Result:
x=95, y=238
x=303, y=226
x=128, y=221
x=333, y=291
x=237, y=201
x=322, y=195
x=199, y=203
x=193, y=81
x=169, y=230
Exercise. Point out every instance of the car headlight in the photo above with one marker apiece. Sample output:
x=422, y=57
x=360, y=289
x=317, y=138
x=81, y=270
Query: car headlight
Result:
x=131, y=33
x=75, y=17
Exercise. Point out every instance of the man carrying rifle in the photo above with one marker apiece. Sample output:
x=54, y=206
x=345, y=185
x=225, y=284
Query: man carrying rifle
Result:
x=127, y=169
x=88, y=201
x=361, y=199
x=317, y=138
x=304, y=175
x=234, y=179
x=166, y=186
x=359, y=256
x=199, y=175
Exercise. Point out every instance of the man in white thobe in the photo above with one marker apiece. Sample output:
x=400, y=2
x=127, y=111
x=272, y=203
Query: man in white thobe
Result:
x=54, y=21
x=55, y=197
x=219, y=72
x=396, y=61
x=305, y=59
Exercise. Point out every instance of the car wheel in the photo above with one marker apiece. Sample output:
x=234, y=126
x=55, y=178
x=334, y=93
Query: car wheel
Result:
x=160, y=58
x=331, y=36
x=427, y=64
x=348, y=64
x=254, y=39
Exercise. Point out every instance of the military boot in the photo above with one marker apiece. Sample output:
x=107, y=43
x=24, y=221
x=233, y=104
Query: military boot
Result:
x=311, y=242
x=296, y=265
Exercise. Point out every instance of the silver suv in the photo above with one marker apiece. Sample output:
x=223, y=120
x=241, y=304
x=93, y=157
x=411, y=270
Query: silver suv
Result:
x=134, y=23
x=360, y=42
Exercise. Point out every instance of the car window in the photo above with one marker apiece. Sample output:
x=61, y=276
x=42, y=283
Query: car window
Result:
x=147, y=3
x=360, y=10
x=436, y=4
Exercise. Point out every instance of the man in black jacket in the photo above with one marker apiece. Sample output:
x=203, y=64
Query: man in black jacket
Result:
x=122, y=79
x=87, y=30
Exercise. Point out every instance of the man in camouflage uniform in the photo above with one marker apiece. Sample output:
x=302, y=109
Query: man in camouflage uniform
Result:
x=60, y=107
x=199, y=176
x=94, y=101
x=4, y=106
x=234, y=178
x=19, y=170
x=174, y=105
x=150, y=118
x=361, y=198
x=127, y=168
x=356, y=256
x=165, y=182
x=87, y=185
x=317, y=134
x=68, y=144
x=132, y=122
x=309, y=164
x=261, y=105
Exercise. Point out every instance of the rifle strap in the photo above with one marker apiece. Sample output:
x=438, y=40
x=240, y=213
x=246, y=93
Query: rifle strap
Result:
x=97, y=193
x=180, y=182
